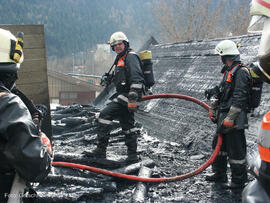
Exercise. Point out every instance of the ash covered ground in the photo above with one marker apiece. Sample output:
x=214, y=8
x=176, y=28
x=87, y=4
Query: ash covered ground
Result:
x=73, y=136
x=175, y=138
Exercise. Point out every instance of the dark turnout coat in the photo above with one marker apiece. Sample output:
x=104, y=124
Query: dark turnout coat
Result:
x=21, y=149
x=235, y=90
x=127, y=75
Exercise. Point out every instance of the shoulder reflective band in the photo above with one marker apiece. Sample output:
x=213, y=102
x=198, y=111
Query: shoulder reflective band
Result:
x=264, y=131
x=264, y=153
x=2, y=93
x=121, y=62
x=263, y=3
x=266, y=121
x=264, y=138
x=231, y=73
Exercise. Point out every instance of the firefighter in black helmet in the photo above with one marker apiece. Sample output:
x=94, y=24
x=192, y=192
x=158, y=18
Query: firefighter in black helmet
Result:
x=258, y=190
x=230, y=112
x=23, y=149
x=260, y=22
x=129, y=81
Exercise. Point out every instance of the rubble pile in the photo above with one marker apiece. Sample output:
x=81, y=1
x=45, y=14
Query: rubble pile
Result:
x=74, y=137
x=175, y=138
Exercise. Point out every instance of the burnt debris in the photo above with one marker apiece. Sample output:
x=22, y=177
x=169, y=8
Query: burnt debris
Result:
x=175, y=135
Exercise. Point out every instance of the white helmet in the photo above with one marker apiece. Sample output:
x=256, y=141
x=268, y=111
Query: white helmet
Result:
x=260, y=11
x=10, y=51
x=226, y=47
x=117, y=37
x=259, y=7
x=260, y=22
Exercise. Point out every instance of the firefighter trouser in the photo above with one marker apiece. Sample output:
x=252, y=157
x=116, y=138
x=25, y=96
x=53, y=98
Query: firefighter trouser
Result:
x=264, y=176
x=117, y=111
x=233, y=148
x=6, y=181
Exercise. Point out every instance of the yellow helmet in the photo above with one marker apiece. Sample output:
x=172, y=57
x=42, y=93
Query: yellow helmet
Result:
x=10, y=50
x=117, y=37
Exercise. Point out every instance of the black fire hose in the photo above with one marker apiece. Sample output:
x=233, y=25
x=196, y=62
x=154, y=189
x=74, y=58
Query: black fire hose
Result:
x=153, y=180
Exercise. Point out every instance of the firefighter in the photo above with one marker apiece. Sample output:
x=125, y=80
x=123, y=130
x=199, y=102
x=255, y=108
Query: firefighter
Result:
x=129, y=81
x=258, y=190
x=230, y=112
x=24, y=150
x=260, y=11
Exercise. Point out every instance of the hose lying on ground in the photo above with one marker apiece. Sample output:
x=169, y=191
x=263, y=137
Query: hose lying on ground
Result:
x=153, y=180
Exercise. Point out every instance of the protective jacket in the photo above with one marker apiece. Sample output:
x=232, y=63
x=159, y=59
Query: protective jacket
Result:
x=127, y=75
x=235, y=90
x=21, y=149
x=29, y=104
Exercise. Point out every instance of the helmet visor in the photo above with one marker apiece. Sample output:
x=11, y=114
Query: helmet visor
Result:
x=264, y=48
x=116, y=42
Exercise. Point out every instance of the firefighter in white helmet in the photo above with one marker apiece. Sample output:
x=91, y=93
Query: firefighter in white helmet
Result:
x=229, y=111
x=258, y=190
x=129, y=81
x=23, y=150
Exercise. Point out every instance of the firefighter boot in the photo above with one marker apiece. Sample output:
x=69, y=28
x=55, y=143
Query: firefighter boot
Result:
x=131, y=143
x=239, y=177
x=217, y=177
x=219, y=168
x=100, y=151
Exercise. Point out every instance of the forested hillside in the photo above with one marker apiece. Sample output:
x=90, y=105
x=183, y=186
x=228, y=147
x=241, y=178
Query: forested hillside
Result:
x=74, y=26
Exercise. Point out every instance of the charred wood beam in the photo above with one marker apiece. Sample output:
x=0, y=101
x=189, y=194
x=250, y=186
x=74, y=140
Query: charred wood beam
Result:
x=88, y=182
x=133, y=168
x=80, y=173
x=79, y=133
x=57, y=116
x=60, y=116
x=86, y=128
x=74, y=121
x=58, y=129
x=87, y=160
x=70, y=109
x=141, y=192
x=69, y=194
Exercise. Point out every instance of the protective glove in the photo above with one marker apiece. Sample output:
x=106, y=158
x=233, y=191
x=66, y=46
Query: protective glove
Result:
x=132, y=100
x=46, y=143
x=231, y=116
x=212, y=114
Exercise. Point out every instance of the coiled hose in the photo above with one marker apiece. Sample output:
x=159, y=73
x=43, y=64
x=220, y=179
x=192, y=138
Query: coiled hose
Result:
x=153, y=180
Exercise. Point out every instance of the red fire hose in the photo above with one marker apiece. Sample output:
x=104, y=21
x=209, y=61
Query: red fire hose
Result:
x=153, y=180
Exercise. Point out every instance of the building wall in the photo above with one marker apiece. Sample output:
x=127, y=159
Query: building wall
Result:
x=70, y=97
x=32, y=75
x=62, y=89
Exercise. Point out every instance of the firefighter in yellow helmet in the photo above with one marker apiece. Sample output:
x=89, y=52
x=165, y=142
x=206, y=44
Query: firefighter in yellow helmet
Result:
x=23, y=149
x=258, y=190
x=129, y=81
